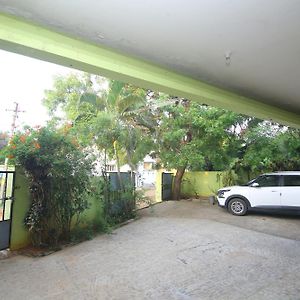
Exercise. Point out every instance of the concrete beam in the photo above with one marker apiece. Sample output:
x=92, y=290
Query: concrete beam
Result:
x=32, y=40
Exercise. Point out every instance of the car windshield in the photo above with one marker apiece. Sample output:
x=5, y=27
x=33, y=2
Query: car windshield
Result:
x=251, y=181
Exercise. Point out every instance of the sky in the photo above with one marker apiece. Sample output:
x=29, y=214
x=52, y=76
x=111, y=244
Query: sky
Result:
x=23, y=80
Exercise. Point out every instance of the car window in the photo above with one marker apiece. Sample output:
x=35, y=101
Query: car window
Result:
x=250, y=182
x=268, y=180
x=291, y=180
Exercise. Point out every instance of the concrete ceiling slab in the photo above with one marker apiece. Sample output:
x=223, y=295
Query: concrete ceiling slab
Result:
x=249, y=47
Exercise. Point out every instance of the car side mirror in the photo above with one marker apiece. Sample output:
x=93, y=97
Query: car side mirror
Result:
x=255, y=184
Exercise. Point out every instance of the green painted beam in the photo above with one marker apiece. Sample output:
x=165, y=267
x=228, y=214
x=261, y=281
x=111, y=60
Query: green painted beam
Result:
x=32, y=40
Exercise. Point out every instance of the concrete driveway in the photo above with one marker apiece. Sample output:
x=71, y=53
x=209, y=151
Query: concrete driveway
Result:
x=176, y=250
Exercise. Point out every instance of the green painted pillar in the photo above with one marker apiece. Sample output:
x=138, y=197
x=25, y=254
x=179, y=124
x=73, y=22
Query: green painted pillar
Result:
x=19, y=234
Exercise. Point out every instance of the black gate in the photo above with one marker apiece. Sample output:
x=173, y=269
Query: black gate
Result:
x=127, y=178
x=6, y=204
x=167, y=183
x=120, y=198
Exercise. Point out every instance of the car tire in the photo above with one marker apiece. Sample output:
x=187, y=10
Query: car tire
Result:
x=237, y=207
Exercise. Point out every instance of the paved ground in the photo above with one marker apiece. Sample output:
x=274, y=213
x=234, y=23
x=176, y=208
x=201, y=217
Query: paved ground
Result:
x=177, y=250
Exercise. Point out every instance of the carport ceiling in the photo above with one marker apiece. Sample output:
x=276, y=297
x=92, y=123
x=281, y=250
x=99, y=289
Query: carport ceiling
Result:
x=250, y=47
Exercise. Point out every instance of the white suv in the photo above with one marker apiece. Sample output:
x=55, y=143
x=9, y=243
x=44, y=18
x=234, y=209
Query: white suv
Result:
x=272, y=190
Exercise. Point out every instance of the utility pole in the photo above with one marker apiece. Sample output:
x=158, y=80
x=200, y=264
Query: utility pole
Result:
x=15, y=117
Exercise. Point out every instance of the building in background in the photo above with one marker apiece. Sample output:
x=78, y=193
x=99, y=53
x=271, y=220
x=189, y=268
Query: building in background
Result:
x=145, y=175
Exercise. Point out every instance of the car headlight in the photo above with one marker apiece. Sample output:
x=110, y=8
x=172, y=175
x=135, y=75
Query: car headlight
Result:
x=222, y=192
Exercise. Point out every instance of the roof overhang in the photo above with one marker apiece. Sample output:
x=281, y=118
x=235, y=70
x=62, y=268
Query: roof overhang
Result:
x=36, y=40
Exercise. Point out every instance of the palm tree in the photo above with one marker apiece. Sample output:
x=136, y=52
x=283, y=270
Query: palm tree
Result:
x=117, y=110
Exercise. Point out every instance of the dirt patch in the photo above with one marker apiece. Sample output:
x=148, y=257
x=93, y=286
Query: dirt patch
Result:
x=36, y=252
x=4, y=254
x=147, y=199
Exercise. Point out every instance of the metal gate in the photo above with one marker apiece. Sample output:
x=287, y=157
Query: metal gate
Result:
x=7, y=179
x=127, y=178
x=167, y=183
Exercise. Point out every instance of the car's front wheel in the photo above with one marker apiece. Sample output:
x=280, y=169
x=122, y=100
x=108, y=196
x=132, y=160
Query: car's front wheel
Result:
x=237, y=207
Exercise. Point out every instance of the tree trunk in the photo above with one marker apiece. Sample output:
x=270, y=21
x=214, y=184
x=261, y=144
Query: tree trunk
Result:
x=118, y=168
x=129, y=160
x=176, y=193
x=132, y=167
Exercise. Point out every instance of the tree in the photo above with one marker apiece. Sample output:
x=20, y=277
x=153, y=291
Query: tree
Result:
x=271, y=147
x=63, y=99
x=106, y=113
x=59, y=177
x=118, y=110
x=196, y=137
x=128, y=122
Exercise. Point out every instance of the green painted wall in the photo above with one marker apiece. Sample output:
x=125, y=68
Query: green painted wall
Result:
x=19, y=36
x=92, y=214
x=194, y=184
x=19, y=234
x=201, y=183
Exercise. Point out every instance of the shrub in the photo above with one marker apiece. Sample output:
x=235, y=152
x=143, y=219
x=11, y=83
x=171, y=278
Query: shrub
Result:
x=59, y=177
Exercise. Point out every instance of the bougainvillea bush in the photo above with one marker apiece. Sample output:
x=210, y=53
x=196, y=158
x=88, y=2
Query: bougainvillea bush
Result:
x=59, y=176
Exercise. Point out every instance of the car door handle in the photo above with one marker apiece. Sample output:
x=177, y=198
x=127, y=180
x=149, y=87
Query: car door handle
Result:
x=274, y=191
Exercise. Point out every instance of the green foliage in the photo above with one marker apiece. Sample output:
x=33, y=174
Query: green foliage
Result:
x=121, y=206
x=3, y=139
x=67, y=90
x=115, y=123
x=229, y=178
x=83, y=233
x=128, y=123
x=59, y=176
x=117, y=204
x=197, y=137
x=269, y=147
x=103, y=112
